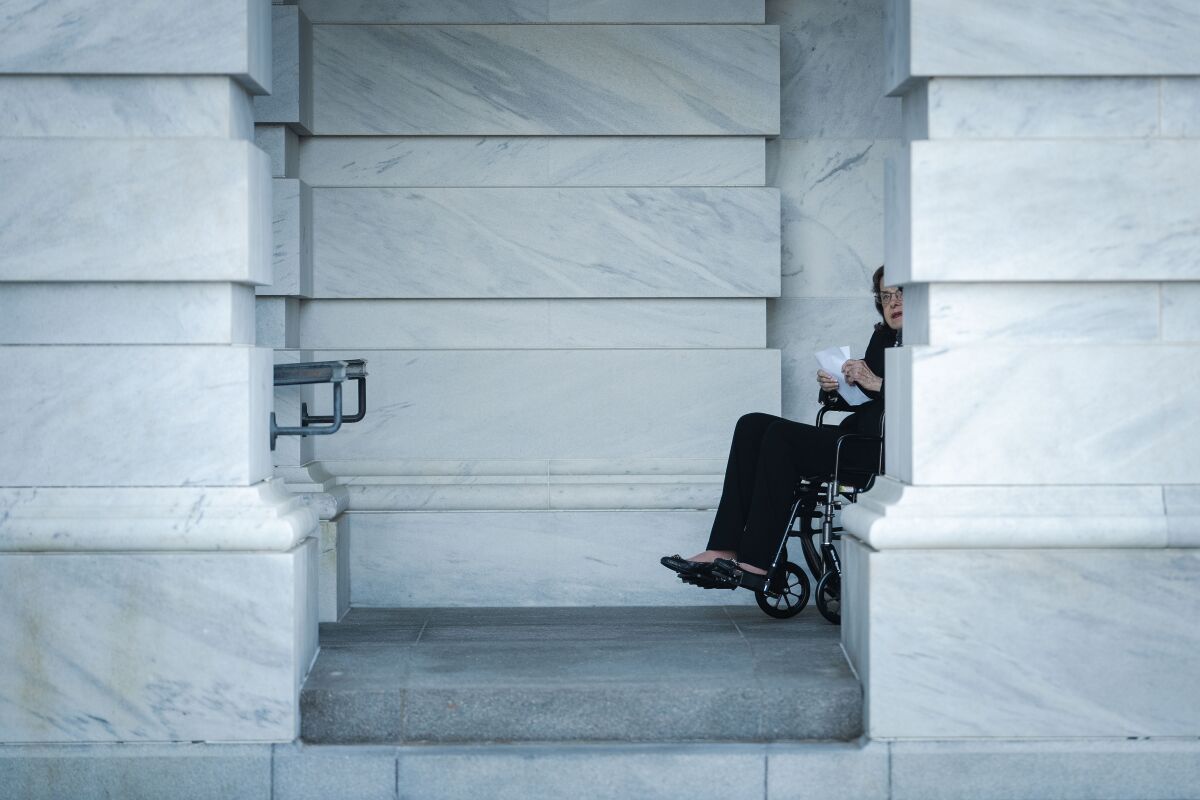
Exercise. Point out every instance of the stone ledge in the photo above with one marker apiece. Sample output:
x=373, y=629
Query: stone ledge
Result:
x=862, y=770
x=264, y=516
x=897, y=516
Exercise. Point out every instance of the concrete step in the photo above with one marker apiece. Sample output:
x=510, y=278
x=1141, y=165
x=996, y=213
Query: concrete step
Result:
x=624, y=674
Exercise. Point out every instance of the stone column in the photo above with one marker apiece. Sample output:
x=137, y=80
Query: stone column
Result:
x=1028, y=568
x=155, y=583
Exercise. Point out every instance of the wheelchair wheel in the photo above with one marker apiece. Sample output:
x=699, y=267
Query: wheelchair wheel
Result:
x=829, y=597
x=793, y=599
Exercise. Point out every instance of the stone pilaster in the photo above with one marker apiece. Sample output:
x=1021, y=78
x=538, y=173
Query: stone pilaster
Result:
x=156, y=579
x=1027, y=568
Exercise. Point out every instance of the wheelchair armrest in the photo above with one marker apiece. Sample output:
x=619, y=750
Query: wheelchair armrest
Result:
x=832, y=402
x=860, y=437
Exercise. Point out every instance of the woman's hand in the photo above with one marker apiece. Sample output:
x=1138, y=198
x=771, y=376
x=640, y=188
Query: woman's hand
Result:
x=857, y=371
x=827, y=381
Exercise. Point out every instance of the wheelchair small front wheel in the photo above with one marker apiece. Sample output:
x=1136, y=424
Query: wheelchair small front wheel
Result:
x=829, y=597
x=792, y=600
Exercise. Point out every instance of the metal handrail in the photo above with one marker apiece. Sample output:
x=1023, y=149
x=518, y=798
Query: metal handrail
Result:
x=335, y=372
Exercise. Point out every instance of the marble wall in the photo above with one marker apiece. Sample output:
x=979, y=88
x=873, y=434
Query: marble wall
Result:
x=1041, y=213
x=159, y=586
x=553, y=243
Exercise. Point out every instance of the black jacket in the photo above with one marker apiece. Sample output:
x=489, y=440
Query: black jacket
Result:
x=867, y=417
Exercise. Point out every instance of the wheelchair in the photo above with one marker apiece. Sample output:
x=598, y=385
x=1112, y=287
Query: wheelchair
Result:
x=811, y=520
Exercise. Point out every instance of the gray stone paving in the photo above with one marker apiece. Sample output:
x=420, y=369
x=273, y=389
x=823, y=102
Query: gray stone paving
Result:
x=468, y=675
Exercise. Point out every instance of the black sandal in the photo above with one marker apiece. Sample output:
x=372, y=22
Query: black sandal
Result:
x=681, y=565
x=732, y=576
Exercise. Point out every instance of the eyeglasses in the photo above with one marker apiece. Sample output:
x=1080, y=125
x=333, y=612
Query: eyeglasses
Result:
x=886, y=297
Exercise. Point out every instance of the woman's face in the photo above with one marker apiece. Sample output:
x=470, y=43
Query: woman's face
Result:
x=892, y=298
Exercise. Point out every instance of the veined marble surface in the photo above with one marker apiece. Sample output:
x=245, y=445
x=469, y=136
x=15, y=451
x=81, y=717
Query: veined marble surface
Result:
x=154, y=646
x=1181, y=312
x=1100, y=425
x=546, y=79
x=263, y=516
x=533, y=161
x=139, y=37
x=1098, y=313
x=1033, y=643
x=831, y=65
x=1069, y=37
x=135, y=415
x=533, y=493
x=516, y=324
x=291, y=233
x=1003, y=769
x=897, y=516
x=133, y=210
x=333, y=582
x=282, y=146
x=832, y=205
x=119, y=106
x=126, y=313
x=528, y=11
x=291, y=97
x=611, y=556
x=1043, y=108
x=1086, y=211
x=1181, y=107
x=277, y=322
x=471, y=243
x=618, y=404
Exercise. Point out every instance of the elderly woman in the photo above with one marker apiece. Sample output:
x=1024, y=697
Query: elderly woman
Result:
x=770, y=454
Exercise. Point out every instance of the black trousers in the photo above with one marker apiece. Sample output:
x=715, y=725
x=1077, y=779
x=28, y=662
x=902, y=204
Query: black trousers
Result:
x=768, y=456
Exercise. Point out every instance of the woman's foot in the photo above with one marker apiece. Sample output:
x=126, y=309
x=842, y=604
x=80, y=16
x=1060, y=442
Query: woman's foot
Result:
x=709, y=556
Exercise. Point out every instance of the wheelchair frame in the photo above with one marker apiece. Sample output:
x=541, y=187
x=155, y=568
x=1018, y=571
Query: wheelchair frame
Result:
x=788, y=589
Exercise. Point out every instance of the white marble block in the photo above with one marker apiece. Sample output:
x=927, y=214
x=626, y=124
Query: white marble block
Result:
x=518, y=324
x=291, y=97
x=1181, y=312
x=134, y=210
x=566, y=558
x=533, y=161
x=1029, y=643
x=139, y=37
x=1085, y=210
x=963, y=38
x=126, y=313
x=292, y=235
x=530, y=11
x=463, y=243
x=1097, y=313
x=277, y=322
x=1039, y=108
x=546, y=79
x=592, y=404
x=261, y=516
x=135, y=415
x=832, y=214
x=1099, y=424
x=1181, y=107
x=831, y=66
x=116, y=106
x=282, y=146
x=334, y=577
x=155, y=646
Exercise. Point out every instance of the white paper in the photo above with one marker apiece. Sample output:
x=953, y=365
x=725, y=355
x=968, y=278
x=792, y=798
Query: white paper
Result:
x=831, y=360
